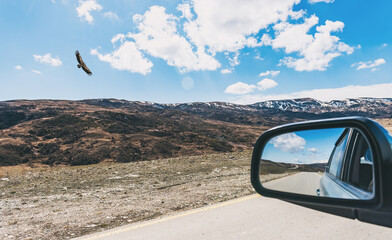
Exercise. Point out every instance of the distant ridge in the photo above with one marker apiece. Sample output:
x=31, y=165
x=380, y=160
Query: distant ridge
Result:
x=371, y=107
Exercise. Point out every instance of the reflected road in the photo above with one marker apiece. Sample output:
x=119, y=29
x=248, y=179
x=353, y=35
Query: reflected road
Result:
x=302, y=183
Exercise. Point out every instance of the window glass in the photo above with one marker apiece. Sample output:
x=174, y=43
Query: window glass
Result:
x=337, y=158
x=361, y=166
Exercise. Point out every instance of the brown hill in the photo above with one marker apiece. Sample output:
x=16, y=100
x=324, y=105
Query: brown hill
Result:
x=77, y=132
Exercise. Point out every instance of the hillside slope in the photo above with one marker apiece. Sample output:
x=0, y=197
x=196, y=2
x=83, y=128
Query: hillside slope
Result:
x=95, y=130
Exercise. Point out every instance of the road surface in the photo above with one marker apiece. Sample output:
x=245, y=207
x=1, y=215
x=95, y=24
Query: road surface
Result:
x=302, y=183
x=251, y=217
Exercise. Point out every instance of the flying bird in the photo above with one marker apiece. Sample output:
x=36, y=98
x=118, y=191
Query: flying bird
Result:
x=82, y=64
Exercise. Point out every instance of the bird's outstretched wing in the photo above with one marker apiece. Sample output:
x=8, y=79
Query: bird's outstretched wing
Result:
x=78, y=57
x=85, y=68
x=82, y=64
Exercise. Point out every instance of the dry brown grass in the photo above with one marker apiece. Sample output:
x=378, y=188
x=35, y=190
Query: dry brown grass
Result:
x=386, y=123
x=65, y=202
x=20, y=170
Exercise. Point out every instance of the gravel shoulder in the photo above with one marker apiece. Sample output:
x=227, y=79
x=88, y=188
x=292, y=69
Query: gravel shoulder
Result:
x=66, y=202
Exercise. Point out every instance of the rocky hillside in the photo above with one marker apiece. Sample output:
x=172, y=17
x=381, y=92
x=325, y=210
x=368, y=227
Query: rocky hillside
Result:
x=95, y=130
x=76, y=132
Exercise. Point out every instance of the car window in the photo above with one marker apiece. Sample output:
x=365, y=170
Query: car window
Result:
x=337, y=156
x=361, y=166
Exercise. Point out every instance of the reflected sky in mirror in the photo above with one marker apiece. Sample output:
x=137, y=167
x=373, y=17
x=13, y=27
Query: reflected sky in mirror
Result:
x=302, y=147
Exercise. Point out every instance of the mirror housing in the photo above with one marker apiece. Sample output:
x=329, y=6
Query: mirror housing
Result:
x=377, y=210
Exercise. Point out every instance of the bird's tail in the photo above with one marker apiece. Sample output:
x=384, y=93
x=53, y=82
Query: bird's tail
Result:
x=79, y=66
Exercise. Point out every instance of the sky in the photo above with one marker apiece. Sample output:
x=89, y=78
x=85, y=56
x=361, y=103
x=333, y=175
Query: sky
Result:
x=169, y=51
x=302, y=147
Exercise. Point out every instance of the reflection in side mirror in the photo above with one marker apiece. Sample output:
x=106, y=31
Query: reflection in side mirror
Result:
x=333, y=162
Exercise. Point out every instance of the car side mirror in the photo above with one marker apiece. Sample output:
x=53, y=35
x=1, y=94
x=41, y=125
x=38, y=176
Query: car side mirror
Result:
x=341, y=166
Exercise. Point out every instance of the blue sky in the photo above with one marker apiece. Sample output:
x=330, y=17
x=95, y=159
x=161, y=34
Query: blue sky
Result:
x=201, y=50
x=302, y=147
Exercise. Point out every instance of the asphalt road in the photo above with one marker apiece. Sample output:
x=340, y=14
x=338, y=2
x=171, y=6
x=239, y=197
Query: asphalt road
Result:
x=302, y=183
x=252, y=217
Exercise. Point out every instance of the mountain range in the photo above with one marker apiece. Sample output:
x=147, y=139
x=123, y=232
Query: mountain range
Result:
x=89, y=131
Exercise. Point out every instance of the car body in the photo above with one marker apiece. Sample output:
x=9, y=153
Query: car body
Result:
x=349, y=173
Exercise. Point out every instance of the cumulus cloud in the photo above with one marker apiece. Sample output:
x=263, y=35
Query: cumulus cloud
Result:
x=352, y=91
x=240, y=88
x=289, y=142
x=158, y=37
x=18, y=67
x=266, y=83
x=269, y=73
x=203, y=28
x=369, y=64
x=111, y=15
x=36, y=71
x=47, y=59
x=226, y=71
x=126, y=57
x=85, y=8
x=317, y=1
x=315, y=52
x=230, y=25
x=243, y=88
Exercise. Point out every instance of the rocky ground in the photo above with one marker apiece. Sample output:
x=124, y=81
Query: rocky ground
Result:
x=66, y=202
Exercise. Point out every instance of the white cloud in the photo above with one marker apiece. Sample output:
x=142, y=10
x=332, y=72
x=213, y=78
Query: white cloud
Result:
x=18, y=67
x=269, y=73
x=384, y=45
x=119, y=37
x=266, y=83
x=185, y=9
x=317, y=1
x=158, y=37
x=315, y=51
x=234, y=61
x=289, y=142
x=126, y=57
x=47, y=58
x=36, y=71
x=369, y=64
x=352, y=91
x=297, y=15
x=240, y=88
x=111, y=15
x=230, y=25
x=243, y=88
x=226, y=70
x=137, y=18
x=85, y=7
x=204, y=28
x=313, y=150
x=53, y=1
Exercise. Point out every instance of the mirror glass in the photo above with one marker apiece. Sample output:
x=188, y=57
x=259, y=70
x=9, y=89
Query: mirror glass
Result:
x=333, y=162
